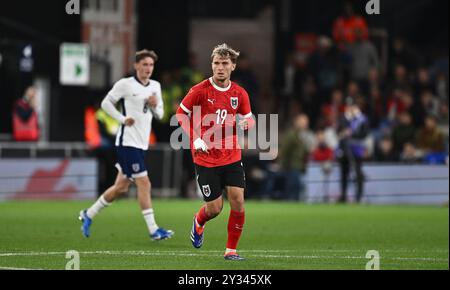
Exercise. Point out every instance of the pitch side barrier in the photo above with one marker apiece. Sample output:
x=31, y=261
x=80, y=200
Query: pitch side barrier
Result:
x=70, y=171
x=393, y=183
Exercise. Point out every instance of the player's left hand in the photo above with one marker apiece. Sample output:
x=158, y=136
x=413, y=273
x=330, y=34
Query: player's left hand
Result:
x=246, y=124
x=243, y=124
x=153, y=101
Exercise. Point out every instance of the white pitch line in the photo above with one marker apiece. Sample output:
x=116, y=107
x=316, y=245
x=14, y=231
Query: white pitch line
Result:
x=18, y=269
x=205, y=253
x=136, y=252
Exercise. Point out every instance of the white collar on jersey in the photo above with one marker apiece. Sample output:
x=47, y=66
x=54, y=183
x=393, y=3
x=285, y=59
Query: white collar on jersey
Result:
x=217, y=87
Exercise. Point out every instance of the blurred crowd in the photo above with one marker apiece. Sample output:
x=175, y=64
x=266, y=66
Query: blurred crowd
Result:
x=344, y=106
x=405, y=101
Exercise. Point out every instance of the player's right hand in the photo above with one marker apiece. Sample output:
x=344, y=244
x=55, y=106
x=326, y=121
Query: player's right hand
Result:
x=129, y=122
x=200, y=145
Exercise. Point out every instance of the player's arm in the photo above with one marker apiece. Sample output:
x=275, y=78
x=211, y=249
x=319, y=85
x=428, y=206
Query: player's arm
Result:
x=157, y=104
x=184, y=117
x=247, y=121
x=110, y=101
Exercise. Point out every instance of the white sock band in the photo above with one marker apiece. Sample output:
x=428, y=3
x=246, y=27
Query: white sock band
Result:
x=95, y=209
x=149, y=216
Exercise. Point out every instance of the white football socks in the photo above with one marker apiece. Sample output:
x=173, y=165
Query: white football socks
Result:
x=149, y=217
x=95, y=209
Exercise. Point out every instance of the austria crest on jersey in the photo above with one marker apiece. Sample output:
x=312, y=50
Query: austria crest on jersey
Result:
x=234, y=102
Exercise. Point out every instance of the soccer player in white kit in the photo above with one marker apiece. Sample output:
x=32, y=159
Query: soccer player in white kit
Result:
x=140, y=100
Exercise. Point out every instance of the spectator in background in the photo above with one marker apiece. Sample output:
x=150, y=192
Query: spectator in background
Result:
x=411, y=154
x=92, y=135
x=443, y=124
x=289, y=75
x=374, y=80
x=333, y=110
x=403, y=132
x=423, y=81
x=441, y=86
x=345, y=26
x=353, y=130
x=25, y=119
x=395, y=105
x=375, y=107
x=323, y=153
x=354, y=93
x=172, y=92
x=291, y=81
x=309, y=99
x=295, y=148
x=384, y=151
x=443, y=120
x=403, y=54
x=190, y=74
x=364, y=57
x=108, y=127
x=245, y=77
x=430, y=139
x=353, y=90
x=323, y=66
x=401, y=78
x=428, y=105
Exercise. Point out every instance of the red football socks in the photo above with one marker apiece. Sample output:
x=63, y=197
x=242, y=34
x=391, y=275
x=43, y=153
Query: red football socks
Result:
x=235, y=227
x=202, y=217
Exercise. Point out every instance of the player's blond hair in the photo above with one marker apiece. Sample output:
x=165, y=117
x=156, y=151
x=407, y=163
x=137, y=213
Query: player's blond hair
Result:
x=140, y=55
x=226, y=51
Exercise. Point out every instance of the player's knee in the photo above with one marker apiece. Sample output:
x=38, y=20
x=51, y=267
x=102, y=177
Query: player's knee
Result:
x=144, y=183
x=237, y=199
x=122, y=186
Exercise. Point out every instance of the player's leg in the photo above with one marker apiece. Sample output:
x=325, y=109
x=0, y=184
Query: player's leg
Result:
x=345, y=172
x=144, y=188
x=209, y=211
x=235, y=186
x=236, y=221
x=144, y=198
x=209, y=184
x=120, y=186
x=359, y=179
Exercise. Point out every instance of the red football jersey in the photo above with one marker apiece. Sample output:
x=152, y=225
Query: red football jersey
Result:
x=213, y=117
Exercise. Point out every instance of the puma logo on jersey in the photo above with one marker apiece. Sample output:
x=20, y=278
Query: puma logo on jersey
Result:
x=211, y=101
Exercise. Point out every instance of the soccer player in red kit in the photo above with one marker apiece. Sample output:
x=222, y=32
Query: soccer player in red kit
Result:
x=212, y=108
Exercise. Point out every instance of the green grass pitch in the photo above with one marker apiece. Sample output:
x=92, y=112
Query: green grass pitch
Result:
x=277, y=236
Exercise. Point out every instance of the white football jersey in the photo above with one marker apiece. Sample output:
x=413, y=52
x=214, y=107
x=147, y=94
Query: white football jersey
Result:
x=132, y=97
